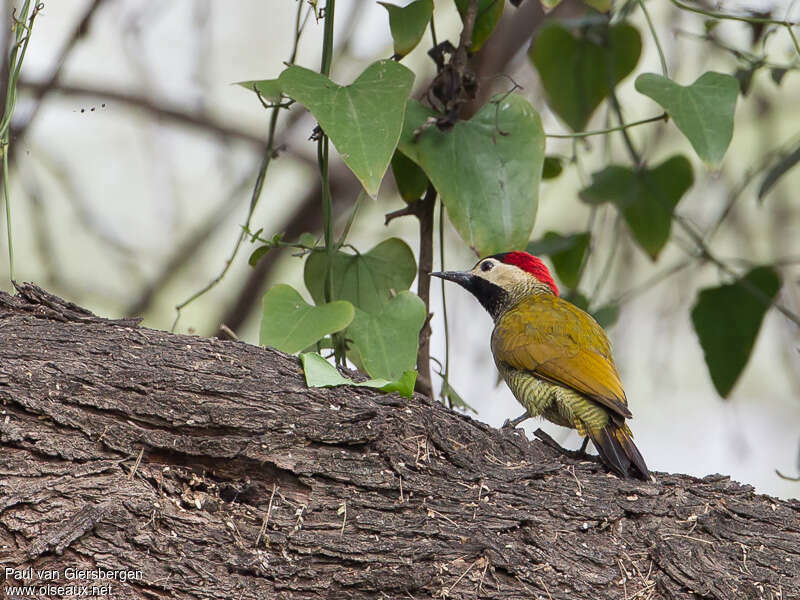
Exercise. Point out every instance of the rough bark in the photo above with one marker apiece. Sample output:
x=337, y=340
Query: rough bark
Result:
x=209, y=467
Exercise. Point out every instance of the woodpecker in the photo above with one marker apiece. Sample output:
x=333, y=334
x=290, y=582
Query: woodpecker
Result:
x=555, y=358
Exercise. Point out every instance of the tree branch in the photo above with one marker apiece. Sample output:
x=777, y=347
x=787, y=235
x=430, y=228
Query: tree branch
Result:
x=209, y=468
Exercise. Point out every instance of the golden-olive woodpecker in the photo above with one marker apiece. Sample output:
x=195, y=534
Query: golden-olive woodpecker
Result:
x=555, y=357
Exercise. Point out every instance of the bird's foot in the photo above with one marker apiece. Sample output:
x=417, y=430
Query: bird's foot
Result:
x=512, y=424
x=579, y=454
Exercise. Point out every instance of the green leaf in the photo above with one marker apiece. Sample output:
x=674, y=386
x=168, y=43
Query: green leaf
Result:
x=411, y=180
x=553, y=166
x=778, y=171
x=363, y=120
x=320, y=373
x=578, y=299
x=258, y=254
x=703, y=111
x=489, y=13
x=602, y=6
x=268, y=89
x=290, y=324
x=566, y=251
x=606, y=315
x=408, y=24
x=367, y=280
x=645, y=197
x=387, y=340
x=727, y=320
x=487, y=170
x=578, y=73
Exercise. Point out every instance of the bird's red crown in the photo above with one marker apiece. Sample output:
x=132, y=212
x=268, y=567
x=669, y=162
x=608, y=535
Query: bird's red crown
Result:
x=530, y=264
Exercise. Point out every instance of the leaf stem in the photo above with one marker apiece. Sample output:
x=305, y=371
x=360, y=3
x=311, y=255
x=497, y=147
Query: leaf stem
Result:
x=706, y=255
x=269, y=154
x=323, y=151
x=730, y=17
x=446, y=376
x=661, y=57
x=743, y=18
x=23, y=36
x=637, y=159
x=583, y=134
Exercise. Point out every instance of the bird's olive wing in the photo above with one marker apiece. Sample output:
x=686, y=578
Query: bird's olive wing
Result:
x=557, y=341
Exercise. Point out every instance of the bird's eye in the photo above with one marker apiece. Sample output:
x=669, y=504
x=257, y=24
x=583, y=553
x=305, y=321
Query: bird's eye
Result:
x=486, y=265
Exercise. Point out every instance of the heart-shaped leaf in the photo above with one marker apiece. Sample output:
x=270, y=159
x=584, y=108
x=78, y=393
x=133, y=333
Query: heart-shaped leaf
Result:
x=577, y=73
x=387, y=340
x=363, y=119
x=489, y=13
x=320, y=373
x=410, y=179
x=566, y=251
x=408, y=24
x=727, y=320
x=268, y=89
x=645, y=197
x=487, y=170
x=703, y=111
x=367, y=280
x=290, y=324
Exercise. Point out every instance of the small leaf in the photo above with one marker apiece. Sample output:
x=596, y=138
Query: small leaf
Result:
x=320, y=373
x=290, y=324
x=566, y=252
x=258, y=254
x=367, y=280
x=489, y=13
x=268, y=89
x=387, y=340
x=307, y=240
x=645, y=197
x=363, y=120
x=553, y=166
x=411, y=180
x=487, y=170
x=727, y=320
x=703, y=111
x=578, y=73
x=777, y=75
x=778, y=171
x=408, y=24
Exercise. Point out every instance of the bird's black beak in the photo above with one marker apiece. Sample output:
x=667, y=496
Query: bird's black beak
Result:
x=462, y=278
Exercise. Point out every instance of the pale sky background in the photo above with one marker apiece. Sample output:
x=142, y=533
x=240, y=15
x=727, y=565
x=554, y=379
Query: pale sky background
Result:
x=143, y=185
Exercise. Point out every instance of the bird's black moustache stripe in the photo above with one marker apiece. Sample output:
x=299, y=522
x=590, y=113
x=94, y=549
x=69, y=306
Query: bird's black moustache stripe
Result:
x=491, y=296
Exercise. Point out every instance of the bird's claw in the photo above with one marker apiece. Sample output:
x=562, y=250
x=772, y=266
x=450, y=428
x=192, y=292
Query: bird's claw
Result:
x=512, y=423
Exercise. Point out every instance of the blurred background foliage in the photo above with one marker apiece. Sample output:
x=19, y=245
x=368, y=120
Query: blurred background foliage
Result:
x=134, y=160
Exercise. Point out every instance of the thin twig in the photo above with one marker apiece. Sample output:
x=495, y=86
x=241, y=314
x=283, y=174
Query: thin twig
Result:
x=623, y=126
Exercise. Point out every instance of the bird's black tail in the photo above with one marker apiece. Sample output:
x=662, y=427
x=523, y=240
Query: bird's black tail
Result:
x=615, y=445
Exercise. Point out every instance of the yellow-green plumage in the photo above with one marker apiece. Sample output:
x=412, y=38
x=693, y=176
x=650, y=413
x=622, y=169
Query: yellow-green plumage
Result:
x=557, y=362
x=555, y=357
